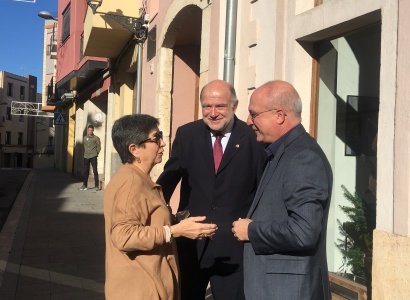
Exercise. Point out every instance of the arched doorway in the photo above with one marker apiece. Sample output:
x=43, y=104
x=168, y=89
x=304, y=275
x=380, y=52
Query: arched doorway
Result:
x=185, y=66
x=182, y=50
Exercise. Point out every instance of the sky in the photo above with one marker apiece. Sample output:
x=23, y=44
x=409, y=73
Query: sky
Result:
x=22, y=36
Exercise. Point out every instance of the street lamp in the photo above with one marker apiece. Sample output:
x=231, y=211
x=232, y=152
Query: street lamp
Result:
x=46, y=15
x=139, y=27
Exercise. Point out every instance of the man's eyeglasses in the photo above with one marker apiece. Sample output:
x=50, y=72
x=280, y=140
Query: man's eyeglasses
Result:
x=156, y=139
x=254, y=114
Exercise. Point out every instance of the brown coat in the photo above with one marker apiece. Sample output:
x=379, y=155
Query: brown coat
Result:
x=139, y=263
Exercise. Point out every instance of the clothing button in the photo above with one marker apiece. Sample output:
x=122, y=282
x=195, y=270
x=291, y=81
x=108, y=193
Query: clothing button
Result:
x=213, y=206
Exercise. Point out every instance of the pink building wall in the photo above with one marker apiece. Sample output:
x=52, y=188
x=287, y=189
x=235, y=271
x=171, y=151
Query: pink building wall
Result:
x=68, y=53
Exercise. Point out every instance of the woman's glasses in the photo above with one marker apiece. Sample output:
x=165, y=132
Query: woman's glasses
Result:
x=156, y=139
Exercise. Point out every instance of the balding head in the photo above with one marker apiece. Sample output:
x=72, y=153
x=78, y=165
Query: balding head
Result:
x=274, y=109
x=282, y=94
x=220, y=85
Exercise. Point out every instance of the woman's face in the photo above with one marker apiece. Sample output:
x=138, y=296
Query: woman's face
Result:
x=154, y=148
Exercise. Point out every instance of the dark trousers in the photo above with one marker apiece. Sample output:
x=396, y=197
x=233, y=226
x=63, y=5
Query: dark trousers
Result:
x=93, y=162
x=226, y=282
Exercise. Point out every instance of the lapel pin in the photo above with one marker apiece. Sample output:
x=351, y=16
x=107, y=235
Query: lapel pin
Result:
x=237, y=146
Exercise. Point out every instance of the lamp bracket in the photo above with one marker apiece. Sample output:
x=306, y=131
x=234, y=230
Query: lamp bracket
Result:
x=137, y=26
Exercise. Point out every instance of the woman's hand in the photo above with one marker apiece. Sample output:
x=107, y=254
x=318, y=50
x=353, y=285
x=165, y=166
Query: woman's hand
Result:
x=193, y=229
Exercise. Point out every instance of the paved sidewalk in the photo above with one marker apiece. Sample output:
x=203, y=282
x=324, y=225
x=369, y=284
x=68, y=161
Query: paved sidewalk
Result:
x=52, y=244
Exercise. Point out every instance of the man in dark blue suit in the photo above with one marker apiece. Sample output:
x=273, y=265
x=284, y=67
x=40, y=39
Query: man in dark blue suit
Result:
x=285, y=229
x=221, y=191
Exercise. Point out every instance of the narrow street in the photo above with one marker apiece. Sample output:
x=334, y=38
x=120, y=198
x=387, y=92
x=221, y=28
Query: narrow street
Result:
x=52, y=245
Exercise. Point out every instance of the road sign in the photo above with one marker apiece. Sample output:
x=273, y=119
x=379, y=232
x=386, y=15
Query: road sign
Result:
x=60, y=119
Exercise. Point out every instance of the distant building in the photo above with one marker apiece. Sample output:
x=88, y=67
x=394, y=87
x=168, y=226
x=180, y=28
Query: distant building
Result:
x=49, y=63
x=44, y=140
x=16, y=131
x=45, y=130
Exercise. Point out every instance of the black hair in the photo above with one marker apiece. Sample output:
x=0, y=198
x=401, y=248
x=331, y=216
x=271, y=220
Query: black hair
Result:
x=131, y=129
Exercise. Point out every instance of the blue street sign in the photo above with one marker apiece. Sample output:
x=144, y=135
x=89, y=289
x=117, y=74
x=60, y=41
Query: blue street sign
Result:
x=60, y=119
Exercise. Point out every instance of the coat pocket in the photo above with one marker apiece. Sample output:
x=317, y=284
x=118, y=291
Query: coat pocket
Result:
x=287, y=266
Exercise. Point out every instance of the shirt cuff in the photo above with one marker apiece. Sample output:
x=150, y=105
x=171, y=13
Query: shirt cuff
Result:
x=168, y=235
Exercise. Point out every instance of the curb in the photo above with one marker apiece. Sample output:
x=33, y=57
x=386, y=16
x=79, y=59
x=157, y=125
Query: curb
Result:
x=12, y=242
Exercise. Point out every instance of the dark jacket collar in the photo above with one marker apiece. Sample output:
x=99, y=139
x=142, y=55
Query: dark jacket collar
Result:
x=273, y=148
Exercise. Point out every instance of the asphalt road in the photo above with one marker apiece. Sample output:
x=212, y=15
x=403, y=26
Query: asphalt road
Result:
x=11, y=181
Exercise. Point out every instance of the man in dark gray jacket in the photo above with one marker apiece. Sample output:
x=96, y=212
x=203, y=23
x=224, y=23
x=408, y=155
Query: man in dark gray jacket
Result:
x=92, y=147
x=284, y=233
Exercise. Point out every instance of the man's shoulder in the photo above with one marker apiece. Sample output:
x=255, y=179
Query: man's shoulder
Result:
x=192, y=126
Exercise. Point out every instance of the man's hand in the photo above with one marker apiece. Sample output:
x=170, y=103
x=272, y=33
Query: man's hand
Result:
x=240, y=229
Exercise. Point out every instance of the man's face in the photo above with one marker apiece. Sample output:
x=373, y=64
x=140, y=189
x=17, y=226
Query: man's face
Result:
x=264, y=121
x=90, y=131
x=217, y=108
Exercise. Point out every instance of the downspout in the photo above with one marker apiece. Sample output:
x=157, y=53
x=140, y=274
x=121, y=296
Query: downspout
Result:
x=230, y=40
x=138, y=79
x=141, y=34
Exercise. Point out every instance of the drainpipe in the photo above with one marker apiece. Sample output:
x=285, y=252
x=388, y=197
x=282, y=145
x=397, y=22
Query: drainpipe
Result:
x=138, y=79
x=141, y=34
x=230, y=40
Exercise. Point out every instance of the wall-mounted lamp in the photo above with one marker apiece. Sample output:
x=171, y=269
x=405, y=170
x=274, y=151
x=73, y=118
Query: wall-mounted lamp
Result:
x=94, y=4
x=138, y=26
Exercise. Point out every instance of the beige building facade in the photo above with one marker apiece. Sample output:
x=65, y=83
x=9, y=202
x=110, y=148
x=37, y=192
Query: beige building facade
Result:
x=16, y=131
x=45, y=141
x=348, y=60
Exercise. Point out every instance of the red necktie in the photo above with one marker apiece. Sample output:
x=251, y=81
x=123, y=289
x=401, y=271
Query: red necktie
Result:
x=217, y=151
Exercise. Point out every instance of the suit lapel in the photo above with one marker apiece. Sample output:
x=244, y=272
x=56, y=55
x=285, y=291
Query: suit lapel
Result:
x=266, y=176
x=204, y=143
x=232, y=148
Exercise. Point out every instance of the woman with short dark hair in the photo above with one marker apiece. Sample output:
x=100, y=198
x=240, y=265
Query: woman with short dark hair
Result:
x=140, y=251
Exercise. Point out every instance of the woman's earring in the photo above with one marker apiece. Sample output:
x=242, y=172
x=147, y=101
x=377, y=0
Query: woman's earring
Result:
x=138, y=160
